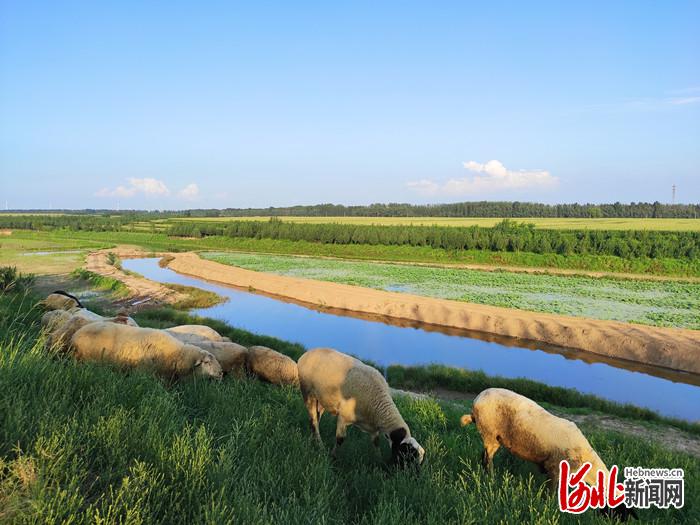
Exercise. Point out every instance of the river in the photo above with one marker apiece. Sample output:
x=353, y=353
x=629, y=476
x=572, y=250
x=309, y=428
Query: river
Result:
x=386, y=341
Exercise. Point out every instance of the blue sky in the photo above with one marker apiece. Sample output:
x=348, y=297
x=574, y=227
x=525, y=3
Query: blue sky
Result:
x=207, y=104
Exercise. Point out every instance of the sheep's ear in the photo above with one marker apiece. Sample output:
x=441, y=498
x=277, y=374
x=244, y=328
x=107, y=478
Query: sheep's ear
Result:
x=197, y=363
x=397, y=436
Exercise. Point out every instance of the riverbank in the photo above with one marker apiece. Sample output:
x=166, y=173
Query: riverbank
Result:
x=181, y=453
x=677, y=349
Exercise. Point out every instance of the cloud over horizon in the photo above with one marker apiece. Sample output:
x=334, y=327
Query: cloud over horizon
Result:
x=148, y=187
x=489, y=177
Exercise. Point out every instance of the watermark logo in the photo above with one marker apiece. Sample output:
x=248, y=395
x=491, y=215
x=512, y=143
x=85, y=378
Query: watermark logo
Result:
x=642, y=488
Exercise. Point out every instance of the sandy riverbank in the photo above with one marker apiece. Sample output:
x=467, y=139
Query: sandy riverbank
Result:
x=140, y=288
x=677, y=349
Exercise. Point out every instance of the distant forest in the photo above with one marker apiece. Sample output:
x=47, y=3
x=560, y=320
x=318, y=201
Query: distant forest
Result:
x=512, y=210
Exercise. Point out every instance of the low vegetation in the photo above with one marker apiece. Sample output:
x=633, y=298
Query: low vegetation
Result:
x=669, y=303
x=12, y=280
x=506, y=236
x=102, y=282
x=417, y=254
x=83, y=443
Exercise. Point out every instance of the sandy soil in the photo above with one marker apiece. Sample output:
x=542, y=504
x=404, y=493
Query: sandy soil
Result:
x=673, y=348
x=141, y=290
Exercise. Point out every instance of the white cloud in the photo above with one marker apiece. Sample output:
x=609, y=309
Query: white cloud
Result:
x=189, y=192
x=489, y=177
x=680, y=101
x=146, y=186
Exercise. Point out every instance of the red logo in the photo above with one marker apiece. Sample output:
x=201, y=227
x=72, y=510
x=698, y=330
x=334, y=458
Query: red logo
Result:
x=576, y=496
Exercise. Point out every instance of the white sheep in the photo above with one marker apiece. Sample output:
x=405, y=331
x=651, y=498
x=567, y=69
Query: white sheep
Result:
x=64, y=326
x=231, y=356
x=197, y=331
x=91, y=316
x=60, y=300
x=271, y=366
x=504, y=418
x=133, y=347
x=54, y=318
x=358, y=395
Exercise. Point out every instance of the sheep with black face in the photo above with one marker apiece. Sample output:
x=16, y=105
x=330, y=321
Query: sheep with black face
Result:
x=358, y=395
x=507, y=419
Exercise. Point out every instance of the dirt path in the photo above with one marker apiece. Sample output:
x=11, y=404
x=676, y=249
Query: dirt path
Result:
x=674, y=348
x=141, y=290
x=666, y=436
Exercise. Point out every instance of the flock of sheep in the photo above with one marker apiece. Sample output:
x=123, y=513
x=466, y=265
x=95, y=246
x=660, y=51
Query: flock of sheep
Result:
x=357, y=394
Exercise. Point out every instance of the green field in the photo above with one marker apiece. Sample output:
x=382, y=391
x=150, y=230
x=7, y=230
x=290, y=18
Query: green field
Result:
x=82, y=443
x=548, y=223
x=44, y=253
x=655, y=303
x=408, y=254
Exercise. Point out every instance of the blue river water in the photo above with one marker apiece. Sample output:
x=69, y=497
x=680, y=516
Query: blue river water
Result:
x=385, y=342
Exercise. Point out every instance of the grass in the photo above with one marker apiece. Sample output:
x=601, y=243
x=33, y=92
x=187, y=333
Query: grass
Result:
x=549, y=223
x=418, y=254
x=25, y=250
x=101, y=282
x=657, y=303
x=196, y=297
x=82, y=443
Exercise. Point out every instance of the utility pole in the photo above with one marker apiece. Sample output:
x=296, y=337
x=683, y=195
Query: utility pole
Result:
x=673, y=194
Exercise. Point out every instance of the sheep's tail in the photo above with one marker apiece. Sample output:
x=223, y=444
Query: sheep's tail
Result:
x=466, y=419
x=61, y=292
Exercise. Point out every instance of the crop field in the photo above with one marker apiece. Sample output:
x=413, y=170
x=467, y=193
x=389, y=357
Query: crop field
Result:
x=545, y=223
x=669, y=303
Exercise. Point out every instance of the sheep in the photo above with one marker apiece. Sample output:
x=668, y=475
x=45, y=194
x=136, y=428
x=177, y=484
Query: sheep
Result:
x=54, y=318
x=271, y=366
x=91, y=316
x=132, y=347
x=62, y=330
x=504, y=418
x=60, y=300
x=231, y=356
x=358, y=395
x=198, y=331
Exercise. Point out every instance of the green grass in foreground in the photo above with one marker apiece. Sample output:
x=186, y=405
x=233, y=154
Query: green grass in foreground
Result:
x=658, y=303
x=420, y=254
x=82, y=443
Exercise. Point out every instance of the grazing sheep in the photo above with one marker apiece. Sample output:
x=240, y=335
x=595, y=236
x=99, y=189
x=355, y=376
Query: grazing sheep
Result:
x=358, y=395
x=60, y=300
x=231, y=356
x=517, y=423
x=271, y=366
x=63, y=328
x=54, y=318
x=91, y=316
x=191, y=333
x=133, y=347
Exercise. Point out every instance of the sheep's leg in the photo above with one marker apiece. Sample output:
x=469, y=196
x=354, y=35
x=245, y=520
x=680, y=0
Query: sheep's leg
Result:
x=375, y=439
x=341, y=430
x=312, y=408
x=551, y=467
x=491, y=446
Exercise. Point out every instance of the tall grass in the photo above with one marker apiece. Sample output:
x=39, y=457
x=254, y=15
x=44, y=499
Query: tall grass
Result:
x=82, y=443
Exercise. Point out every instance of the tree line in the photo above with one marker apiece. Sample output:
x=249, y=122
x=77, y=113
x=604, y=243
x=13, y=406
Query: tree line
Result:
x=514, y=210
x=505, y=236
x=504, y=209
